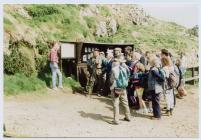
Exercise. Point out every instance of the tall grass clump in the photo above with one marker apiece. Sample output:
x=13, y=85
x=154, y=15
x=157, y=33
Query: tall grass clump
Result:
x=19, y=83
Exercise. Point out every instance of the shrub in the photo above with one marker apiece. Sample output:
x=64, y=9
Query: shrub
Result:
x=193, y=31
x=41, y=63
x=21, y=60
x=41, y=10
x=43, y=48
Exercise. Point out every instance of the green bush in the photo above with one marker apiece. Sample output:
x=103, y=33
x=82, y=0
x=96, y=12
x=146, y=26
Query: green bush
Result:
x=41, y=63
x=41, y=10
x=20, y=60
x=193, y=31
x=16, y=62
x=43, y=48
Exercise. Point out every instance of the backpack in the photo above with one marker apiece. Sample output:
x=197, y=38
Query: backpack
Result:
x=173, y=80
x=122, y=81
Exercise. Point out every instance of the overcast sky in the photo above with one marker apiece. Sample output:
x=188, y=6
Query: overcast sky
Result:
x=183, y=14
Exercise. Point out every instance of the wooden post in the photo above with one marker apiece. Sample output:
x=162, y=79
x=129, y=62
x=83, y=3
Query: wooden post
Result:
x=60, y=60
x=77, y=73
x=193, y=74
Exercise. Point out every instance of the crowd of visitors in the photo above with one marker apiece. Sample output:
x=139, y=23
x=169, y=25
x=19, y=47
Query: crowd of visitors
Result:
x=138, y=80
x=134, y=79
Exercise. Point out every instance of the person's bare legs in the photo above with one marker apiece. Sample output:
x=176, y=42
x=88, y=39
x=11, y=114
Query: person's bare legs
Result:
x=142, y=103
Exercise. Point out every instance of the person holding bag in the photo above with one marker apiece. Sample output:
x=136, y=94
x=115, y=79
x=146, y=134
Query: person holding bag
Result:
x=180, y=87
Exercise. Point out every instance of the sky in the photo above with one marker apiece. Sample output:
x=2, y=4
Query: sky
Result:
x=183, y=14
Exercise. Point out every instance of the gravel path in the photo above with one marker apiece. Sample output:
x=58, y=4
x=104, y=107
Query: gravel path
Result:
x=63, y=114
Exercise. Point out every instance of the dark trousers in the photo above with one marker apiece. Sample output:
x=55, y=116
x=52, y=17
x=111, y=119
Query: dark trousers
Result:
x=107, y=85
x=156, y=104
x=100, y=81
x=174, y=97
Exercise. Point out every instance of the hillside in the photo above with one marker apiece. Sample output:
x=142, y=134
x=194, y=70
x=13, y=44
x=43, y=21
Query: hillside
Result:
x=29, y=30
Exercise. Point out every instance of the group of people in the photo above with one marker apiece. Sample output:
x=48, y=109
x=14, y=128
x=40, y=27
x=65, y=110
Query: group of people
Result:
x=133, y=78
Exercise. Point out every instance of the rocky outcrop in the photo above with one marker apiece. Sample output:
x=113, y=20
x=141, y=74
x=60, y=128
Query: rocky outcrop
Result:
x=137, y=15
x=107, y=28
x=101, y=29
x=112, y=26
x=21, y=11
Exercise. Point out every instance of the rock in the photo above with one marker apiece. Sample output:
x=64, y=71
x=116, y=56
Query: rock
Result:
x=102, y=29
x=21, y=11
x=112, y=26
x=107, y=28
x=137, y=16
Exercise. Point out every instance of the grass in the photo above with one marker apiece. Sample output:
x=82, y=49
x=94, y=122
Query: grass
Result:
x=104, y=11
x=21, y=84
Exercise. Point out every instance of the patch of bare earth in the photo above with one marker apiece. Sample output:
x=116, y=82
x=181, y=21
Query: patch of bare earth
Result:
x=63, y=114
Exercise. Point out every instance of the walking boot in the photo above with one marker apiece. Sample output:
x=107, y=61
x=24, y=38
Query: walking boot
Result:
x=168, y=112
x=171, y=111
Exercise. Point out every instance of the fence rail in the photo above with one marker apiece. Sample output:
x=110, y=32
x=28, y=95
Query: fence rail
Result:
x=192, y=74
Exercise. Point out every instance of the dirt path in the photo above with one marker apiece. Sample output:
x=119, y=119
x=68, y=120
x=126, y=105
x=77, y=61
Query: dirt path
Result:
x=64, y=114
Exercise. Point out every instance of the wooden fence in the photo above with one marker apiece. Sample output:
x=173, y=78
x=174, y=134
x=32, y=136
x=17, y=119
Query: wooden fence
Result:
x=192, y=75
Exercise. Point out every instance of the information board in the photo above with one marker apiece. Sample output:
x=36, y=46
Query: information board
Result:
x=67, y=50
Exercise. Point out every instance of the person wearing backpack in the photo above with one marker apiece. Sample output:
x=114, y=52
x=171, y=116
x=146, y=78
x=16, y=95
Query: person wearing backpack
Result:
x=173, y=77
x=168, y=87
x=119, y=81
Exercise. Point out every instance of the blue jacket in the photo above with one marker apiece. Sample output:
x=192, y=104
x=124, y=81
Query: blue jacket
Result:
x=109, y=67
x=153, y=83
x=153, y=76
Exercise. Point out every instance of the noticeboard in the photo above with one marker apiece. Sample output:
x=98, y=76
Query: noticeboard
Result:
x=67, y=50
